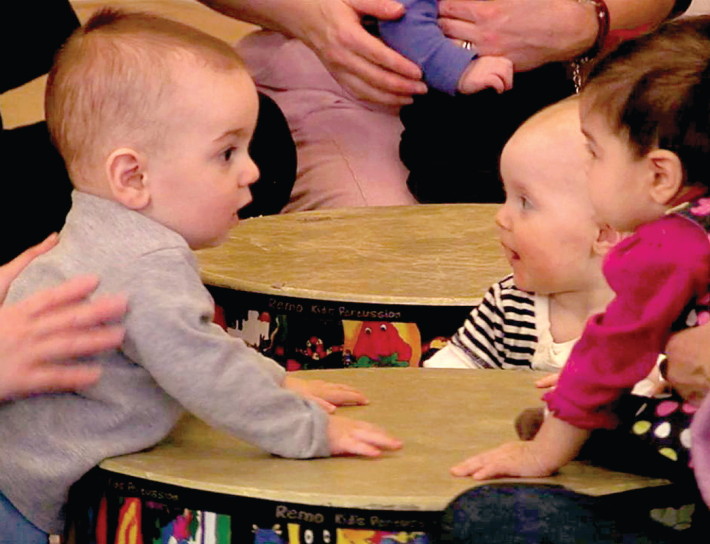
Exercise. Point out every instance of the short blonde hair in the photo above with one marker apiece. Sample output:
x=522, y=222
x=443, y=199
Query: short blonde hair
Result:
x=111, y=82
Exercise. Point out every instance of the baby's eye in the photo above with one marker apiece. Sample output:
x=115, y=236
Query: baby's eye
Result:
x=525, y=203
x=228, y=153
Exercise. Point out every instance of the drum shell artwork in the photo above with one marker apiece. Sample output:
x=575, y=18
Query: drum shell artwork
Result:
x=306, y=334
x=380, y=287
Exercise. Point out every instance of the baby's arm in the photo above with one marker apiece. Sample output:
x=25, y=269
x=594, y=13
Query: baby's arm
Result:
x=327, y=394
x=418, y=37
x=555, y=445
x=484, y=72
x=354, y=437
x=345, y=436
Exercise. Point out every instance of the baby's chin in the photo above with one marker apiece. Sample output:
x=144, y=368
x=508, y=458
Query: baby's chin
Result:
x=212, y=242
x=521, y=284
x=525, y=283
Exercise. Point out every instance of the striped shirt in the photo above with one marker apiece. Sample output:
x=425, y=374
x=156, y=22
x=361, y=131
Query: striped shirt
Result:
x=510, y=328
x=500, y=331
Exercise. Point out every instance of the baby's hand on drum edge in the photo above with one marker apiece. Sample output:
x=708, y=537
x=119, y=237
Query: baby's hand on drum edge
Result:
x=327, y=394
x=556, y=444
x=516, y=459
x=548, y=381
x=354, y=437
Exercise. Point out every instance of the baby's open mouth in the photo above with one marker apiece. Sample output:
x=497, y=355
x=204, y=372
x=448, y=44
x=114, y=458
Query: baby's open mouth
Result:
x=509, y=253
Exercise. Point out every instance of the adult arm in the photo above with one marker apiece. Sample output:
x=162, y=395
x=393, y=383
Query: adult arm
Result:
x=534, y=32
x=688, y=366
x=360, y=62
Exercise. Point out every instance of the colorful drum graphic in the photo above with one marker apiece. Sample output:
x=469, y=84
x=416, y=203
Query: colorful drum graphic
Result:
x=202, y=486
x=358, y=287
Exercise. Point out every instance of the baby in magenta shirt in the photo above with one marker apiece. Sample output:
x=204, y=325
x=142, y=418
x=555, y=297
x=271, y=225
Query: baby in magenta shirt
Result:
x=645, y=113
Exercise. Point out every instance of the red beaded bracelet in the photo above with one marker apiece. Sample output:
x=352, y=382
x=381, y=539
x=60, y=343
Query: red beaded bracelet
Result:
x=603, y=30
x=603, y=19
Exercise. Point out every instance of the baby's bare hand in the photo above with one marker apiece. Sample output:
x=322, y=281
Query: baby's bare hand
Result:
x=354, y=437
x=548, y=381
x=327, y=394
x=487, y=71
x=516, y=459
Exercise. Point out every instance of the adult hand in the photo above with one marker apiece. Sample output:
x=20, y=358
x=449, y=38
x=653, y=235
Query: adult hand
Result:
x=688, y=365
x=528, y=32
x=360, y=62
x=38, y=333
x=333, y=29
x=9, y=271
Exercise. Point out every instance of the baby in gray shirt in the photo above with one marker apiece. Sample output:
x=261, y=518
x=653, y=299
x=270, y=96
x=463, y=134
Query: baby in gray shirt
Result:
x=154, y=120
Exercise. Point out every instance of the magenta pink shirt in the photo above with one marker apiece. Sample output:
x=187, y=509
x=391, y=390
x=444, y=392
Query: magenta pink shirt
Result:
x=656, y=274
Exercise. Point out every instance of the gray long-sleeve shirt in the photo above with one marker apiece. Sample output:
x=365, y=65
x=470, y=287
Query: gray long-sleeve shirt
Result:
x=173, y=358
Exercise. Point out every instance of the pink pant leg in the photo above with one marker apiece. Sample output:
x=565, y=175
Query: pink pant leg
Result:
x=348, y=150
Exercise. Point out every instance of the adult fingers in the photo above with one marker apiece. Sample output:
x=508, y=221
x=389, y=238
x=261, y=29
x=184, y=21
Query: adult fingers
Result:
x=380, y=9
x=69, y=292
x=461, y=31
x=78, y=343
x=364, y=89
x=377, y=52
x=58, y=377
x=461, y=10
x=79, y=315
x=378, y=77
x=365, y=65
x=9, y=271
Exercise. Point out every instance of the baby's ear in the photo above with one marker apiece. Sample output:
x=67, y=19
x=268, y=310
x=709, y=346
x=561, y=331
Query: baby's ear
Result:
x=606, y=239
x=667, y=175
x=125, y=169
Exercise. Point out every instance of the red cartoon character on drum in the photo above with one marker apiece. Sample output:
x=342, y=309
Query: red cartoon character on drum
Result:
x=380, y=344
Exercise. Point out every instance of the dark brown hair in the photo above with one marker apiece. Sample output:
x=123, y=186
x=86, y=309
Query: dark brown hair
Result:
x=655, y=90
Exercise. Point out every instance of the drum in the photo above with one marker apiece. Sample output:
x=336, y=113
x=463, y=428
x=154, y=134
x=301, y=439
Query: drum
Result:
x=358, y=287
x=203, y=486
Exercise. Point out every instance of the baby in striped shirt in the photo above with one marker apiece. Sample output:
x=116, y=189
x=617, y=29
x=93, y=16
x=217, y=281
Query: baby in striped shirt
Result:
x=532, y=318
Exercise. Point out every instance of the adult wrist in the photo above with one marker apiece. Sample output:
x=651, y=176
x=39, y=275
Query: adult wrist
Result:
x=602, y=19
x=603, y=25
